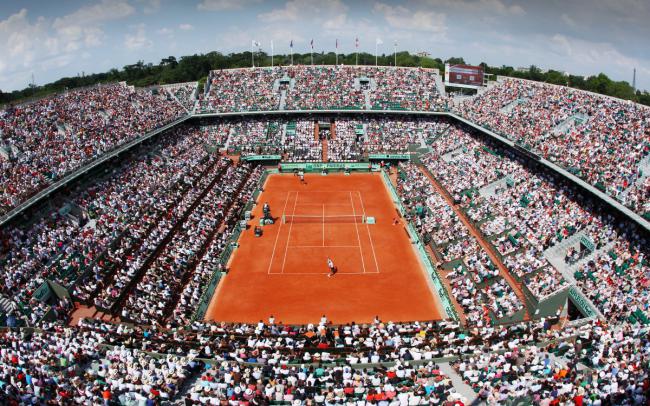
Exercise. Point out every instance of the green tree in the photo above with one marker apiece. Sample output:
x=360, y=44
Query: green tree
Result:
x=598, y=83
x=577, y=81
x=169, y=61
x=455, y=61
x=556, y=78
x=194, y=67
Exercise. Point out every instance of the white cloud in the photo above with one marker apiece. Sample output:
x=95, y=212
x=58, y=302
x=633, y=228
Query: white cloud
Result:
x=479, y=6
x=165, y=31
x=569, y=21
x=404, y=19
x=88, y=15
x=587, y=55
x=82, y=28
x=137, y=40
x=150, y=6
x=18, y=37
x=186, y=27
x=294, y=10
x=223, y=5
x=336, y=23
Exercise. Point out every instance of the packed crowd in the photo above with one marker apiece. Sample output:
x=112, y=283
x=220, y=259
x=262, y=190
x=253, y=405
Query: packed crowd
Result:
x=302, y=142
x=114, y=213
x=235, y=90
x=145, y=240
x=43, y=141
x=404, y=89
x=474, y=281
x=603, y=365
x=377, y=363
x=190, y=299
x=524, y=214
x=488, y=183
x=598, y=138
x=123, y=221
x=347, y=144
x=350, y=138
x=391, y=135
x=473, y=165
x=185, y=93
x=322, y=87
x=247, y=137
x=156, y=293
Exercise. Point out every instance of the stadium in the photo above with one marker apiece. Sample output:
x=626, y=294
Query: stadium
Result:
x=326, y=234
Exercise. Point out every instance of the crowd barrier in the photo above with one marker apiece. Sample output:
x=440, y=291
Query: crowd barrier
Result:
x=327, y=166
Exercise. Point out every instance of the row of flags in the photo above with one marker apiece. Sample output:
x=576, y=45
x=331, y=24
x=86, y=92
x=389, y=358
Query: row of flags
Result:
x=356, y=43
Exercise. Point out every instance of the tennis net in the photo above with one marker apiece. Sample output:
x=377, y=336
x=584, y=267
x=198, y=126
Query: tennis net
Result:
x=294, y=218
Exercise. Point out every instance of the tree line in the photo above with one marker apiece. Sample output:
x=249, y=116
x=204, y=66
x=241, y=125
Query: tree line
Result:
x=195, y=68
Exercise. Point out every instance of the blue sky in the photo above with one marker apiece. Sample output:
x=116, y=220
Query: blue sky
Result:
x=55, y=39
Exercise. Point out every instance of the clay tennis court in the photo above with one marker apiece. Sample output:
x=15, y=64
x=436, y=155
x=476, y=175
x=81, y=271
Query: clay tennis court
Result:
x=284, y=272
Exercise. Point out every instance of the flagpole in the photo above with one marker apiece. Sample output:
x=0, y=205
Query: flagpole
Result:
x=337, y=52
x=395, y=53
x=376, y=50
x=356, y=45
x=252, y=57
x=271, y=53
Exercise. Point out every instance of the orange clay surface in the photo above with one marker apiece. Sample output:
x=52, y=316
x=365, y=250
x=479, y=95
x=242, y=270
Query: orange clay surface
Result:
x=284, y=272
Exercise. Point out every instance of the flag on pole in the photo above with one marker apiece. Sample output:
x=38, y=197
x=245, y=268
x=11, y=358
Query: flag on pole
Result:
x=379, y=41
x=337, y=43
x=291, y=44
x=356, y=43
x=312, y=44
x=256, y=44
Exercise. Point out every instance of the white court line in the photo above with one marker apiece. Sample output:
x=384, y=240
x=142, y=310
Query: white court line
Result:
x=323, y=246
x=354, y=213
x=278, y=235
x=286, y=249
x=318, y=204
x=372, y=245
x=327, y=191
x=323, y=225
x=323, y=273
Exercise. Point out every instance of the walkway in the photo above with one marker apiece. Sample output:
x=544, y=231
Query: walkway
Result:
x=459, y=384
x=324, y=144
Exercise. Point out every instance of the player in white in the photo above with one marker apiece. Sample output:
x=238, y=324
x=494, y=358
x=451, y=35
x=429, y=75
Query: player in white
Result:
x=332, y=267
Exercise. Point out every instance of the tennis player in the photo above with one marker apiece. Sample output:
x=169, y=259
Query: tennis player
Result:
x=332, y=267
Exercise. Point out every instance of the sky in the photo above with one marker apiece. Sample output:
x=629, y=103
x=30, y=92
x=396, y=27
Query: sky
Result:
x=53, y=39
